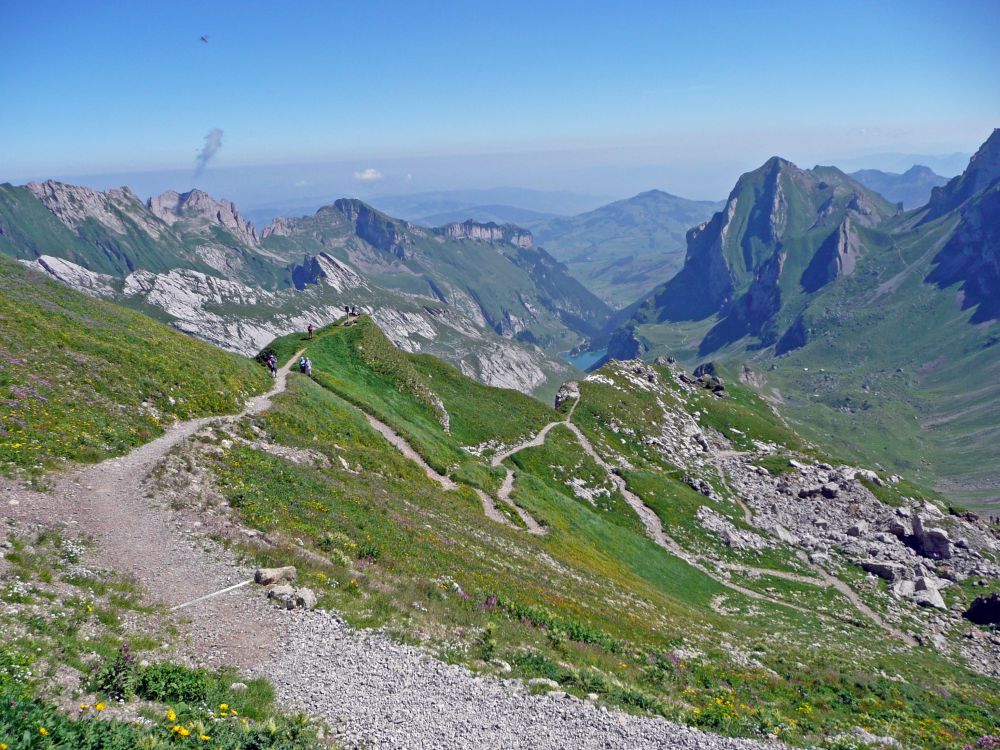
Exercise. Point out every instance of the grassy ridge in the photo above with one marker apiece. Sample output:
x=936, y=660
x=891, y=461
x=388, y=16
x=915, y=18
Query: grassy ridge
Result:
x=82, y=379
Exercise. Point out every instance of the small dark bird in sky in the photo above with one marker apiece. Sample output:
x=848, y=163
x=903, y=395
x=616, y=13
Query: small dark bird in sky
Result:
x=204, y=39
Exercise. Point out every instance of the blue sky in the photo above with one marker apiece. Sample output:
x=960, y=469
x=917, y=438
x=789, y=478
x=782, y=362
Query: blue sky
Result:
x=99, y=87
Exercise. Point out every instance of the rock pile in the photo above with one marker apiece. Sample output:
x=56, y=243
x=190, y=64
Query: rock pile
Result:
x=280, y=588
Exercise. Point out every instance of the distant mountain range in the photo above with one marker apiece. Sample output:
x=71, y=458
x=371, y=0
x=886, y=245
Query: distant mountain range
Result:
x=619, y=250
x=912, y=188
x=874, y=325
x=479, y=294
x=459, y=205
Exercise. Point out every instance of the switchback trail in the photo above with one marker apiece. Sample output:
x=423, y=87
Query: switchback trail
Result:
x=397, y=440
x=373, y=691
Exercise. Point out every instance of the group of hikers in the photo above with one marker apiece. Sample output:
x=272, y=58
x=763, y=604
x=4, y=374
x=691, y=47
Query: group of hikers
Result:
x=305, y=364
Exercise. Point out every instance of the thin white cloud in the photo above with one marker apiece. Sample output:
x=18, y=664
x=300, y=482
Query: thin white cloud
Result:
x=368, y=175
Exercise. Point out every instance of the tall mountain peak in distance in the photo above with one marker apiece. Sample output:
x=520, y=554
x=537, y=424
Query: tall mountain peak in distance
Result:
x=198, y=206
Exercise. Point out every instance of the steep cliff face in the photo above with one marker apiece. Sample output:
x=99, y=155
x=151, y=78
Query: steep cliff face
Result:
x=837, y=257
x=784, y=233
x=375, y=228
x=325, y=269
x=982, y=172
x=972, y=257
x=199, y=207
x=489, y=232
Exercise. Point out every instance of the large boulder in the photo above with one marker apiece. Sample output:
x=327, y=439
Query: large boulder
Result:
x=984, y=610
x=890, y=571
x=930, y=598
x=268, y=576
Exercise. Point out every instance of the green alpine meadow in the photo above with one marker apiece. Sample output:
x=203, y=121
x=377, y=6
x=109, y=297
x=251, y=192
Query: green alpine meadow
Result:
x=448, y=376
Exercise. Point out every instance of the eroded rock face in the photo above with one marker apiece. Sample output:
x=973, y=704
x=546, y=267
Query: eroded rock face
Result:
x=375, y=228
x=200, y=207
x=74, y=204
x=489, y=232
x=325, y=269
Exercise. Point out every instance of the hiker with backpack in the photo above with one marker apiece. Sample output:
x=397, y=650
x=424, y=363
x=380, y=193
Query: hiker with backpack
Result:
x=302, y=365
x=311, y=329
x=272, y=365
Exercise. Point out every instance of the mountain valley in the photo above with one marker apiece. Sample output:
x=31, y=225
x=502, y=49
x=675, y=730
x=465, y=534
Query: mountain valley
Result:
x=757, y=588
x=817, y=284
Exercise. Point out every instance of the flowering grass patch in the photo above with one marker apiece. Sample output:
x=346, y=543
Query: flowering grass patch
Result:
x=33, y=724
x=82, y=379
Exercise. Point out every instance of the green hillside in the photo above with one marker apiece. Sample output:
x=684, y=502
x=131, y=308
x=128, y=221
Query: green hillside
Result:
x=593, y=603
x=82, y=379
x=621, y=250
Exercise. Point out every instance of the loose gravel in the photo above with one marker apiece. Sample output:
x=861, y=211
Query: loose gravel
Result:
x=376, y=693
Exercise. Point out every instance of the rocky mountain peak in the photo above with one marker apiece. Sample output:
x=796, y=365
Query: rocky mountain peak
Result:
x=982, y=172
x=198, y=206
x=74, y=204
x=489, y=232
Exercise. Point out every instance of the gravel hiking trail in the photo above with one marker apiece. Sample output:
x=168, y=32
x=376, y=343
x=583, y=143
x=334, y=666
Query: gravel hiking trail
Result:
x=372, y=691
x=134, y=535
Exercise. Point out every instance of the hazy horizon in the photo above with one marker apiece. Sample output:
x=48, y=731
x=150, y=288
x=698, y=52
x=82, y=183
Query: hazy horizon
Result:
x=319, y=100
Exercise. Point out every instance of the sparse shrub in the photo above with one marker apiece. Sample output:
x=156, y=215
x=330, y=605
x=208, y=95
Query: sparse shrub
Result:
x=117, y=677
x=172, y=683
x=368, y=551
x=488, y=642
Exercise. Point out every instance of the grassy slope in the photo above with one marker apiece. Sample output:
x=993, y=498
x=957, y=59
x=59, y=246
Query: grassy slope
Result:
x=75, y=371
x=593, y=604
x=620, y=251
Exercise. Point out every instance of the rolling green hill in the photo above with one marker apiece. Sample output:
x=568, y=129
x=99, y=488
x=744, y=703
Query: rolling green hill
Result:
x=620, y=250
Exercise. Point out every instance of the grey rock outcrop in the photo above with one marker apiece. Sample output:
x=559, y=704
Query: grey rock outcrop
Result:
x=199, y=207
x=489, y=232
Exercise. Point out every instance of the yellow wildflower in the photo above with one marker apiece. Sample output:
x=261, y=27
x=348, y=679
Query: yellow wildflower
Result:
x=171, y=716
x=233, y=712
x=3, y=746
x=100, y=706
x=83, y=707
x=223, y=706
x=43, y=731
x=204, y=738
x=183, y=731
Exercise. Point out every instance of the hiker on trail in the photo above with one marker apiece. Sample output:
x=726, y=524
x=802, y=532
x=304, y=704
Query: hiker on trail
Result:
x=303, y=362
x=356, y=311
x=272, y=365
x=310, y=329
x=347, y=309
x=309, y=367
